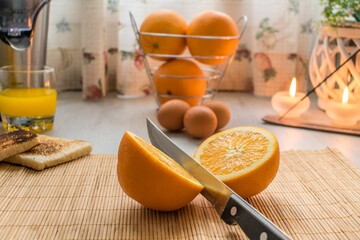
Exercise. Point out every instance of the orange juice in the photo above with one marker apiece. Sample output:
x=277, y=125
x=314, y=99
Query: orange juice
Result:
x=28, y=102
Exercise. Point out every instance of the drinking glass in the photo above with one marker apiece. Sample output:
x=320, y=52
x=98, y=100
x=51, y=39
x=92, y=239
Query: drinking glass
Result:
x=27, y=98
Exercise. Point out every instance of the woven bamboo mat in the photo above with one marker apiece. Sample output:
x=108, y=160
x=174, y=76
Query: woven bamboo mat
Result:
x=316, y=195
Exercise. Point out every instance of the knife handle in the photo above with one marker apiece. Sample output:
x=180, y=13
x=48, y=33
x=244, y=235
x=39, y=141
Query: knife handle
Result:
x=253, y=223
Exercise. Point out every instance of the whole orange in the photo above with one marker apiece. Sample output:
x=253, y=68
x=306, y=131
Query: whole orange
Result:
x=214, y=24
x=167, y=22
x=180, y=79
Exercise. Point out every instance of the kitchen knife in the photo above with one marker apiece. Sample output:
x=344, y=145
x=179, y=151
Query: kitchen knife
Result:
x=231, y=207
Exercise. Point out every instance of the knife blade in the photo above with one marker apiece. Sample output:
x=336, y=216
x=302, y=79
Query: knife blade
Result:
x=232, y=208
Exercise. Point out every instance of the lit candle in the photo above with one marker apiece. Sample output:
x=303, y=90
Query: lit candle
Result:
x=283, y=101
x=343, y=113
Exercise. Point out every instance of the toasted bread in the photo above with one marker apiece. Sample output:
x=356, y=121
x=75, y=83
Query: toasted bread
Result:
x=16, y=142
x=50, y=152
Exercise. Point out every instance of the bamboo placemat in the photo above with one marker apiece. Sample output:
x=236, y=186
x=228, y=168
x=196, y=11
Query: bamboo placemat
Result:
x=316, y=195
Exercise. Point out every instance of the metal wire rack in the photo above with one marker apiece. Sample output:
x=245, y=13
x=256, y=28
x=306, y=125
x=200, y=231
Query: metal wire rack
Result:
x=213, y=73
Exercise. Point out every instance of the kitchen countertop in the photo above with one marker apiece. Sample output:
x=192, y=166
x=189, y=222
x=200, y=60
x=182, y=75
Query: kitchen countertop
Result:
x=83, y=200
x=104, y=122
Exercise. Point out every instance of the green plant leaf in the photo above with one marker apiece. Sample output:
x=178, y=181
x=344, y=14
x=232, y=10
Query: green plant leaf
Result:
x=264, y=23
x=259, y=35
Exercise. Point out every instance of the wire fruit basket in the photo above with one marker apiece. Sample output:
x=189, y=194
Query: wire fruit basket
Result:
x=212, y=74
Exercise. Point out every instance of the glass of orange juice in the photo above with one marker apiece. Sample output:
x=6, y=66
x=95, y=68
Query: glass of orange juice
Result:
x=27, y=98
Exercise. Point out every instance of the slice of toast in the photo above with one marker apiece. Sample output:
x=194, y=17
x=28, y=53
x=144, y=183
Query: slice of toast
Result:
x=50, y=152
x=16, y=142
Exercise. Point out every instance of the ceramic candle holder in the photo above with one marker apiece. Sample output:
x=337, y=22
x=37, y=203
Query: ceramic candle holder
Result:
x=282, y=102
x=344, y=114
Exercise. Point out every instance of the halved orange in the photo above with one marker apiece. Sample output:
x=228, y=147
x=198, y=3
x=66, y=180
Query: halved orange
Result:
x=152, y=178
x=245, y=158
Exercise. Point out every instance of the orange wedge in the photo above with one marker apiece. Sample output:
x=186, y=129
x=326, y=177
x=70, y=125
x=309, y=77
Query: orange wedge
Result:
x=244, y=158
x=152, y=178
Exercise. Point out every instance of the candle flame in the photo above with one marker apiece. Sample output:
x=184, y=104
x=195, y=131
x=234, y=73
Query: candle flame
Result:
x=292, y=90
x=47, y=84
x=345, y=96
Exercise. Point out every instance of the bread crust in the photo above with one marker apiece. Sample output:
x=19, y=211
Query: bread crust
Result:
x=50, y=152
x=16, y=142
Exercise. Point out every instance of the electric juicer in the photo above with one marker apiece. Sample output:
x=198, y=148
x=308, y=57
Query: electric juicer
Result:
x=23, y=31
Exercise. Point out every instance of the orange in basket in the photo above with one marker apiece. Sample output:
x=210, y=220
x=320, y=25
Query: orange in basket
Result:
x=214, y=24
x=163, y=22
x=180, y=79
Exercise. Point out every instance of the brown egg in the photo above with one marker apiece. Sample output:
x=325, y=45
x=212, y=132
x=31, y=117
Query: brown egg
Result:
x=200, y=121
x=171, y=114
x=221, y=111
